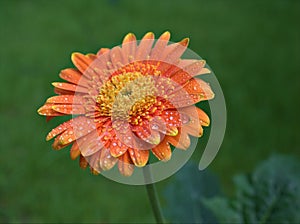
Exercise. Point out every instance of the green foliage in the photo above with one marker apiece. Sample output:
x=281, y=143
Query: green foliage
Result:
x=271, y=194
x=184, y=195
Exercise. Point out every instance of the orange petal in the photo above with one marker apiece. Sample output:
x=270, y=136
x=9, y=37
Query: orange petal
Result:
x=95, y=171
x=194, y=129
x=81, y=61
x=171, y=118
x=70, y=87
x=174, y=51
x=188, y=72
x=103, y=51
x=129, y=46
x=192, y=113
x=107, y=161
x=91, y=56
x=139, y=157
x=163, y=150
x=160, y=45
x=148, y=135
x=145, y=46
x=169, y=70
x=74, y=152
x=79, y=127
x=90, y=144
x=62, y=91
x=73, y=76
x=117, y=148
x=101, y=67
x=181, y=141
x=83, y=163
x=57, y=143
x=164, y=87
x=194, y=91
x=166, y=68
x=69, y=109
x=94, y=163
x=193, y=67
x=198, y=86
x=179, y=99
x=163, y=127
x=66, y=138
x=65, y=99
x=59, y=129
x=203, y=117
x=125, y=165
x=116, y=57
x=180, y=77
x=127, y=135
x=130, y=37
x=46, y=110
x=48, y=118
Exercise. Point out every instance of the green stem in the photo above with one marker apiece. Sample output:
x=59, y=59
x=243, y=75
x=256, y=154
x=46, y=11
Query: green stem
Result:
x=152, y=195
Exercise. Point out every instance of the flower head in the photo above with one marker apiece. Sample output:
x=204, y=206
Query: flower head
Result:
x=129, y=102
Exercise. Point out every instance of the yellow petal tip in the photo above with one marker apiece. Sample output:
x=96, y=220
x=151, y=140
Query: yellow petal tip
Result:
x=154, y=139
x=55, y=84
x=185, y=41
x=129, y=38
x=74, y=54
x=172, y=132
x=149, y=35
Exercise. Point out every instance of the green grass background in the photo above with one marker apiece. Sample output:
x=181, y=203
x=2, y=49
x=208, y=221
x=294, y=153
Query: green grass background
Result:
x=253, y=47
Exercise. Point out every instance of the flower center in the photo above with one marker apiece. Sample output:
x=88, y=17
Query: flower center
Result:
x=129, y=95
x=136, y=97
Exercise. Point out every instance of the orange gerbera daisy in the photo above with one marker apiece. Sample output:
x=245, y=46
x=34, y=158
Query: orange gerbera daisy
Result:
x=127, y=102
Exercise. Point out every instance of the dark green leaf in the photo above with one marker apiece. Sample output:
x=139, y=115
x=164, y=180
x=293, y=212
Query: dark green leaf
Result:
x=184, y=196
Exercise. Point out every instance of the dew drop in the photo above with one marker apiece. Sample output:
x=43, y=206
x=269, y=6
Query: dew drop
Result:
x=185, y=118
x=155, y=127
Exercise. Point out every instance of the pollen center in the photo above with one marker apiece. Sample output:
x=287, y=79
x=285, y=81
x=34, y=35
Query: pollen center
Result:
x=135, y=97
x=127, y=95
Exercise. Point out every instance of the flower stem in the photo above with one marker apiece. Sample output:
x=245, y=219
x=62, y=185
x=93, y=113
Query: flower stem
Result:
x=152, y=195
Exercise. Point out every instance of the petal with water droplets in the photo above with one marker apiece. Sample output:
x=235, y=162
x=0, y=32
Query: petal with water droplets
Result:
x=69, y=87
x=81, y=61
x=117, y=148
x=59, y=129
x=139, y=157
x=129, y=46
x=83, y=163
x=163, y=150
x=173, y=52
x=107, y=161
x=73, y=76
x=171, y=117
x=195, y=113
x=90, y=144
x=65, y=99
x=147, y=134
x=69, y=109
x=125, y=165
x=144, y=47
x=161, y=43
x=74, y=151
x=181, y=141
x=103, y=51
x=116, y=57
x=47, y=110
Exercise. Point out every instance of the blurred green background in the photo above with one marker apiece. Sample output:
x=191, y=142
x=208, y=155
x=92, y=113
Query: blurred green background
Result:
x=253, y=47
